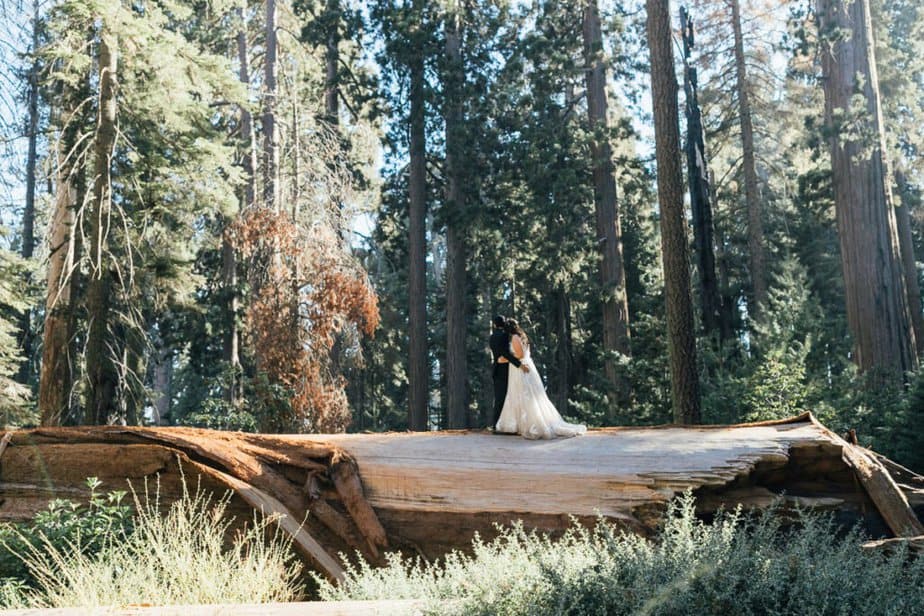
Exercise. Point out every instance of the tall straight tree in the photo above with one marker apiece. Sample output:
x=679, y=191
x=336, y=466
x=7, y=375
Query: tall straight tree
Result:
x=910, y=267
x=700, y=192
x=28, y=214
x=232, y=342
x=418, y=374
x=757, y=260
x=101, y=373
x=609, y=234
x=332, y=63
x=456, y=275
x=681, y=338
x=270, y=91
x=874, y=284
x=56, y=374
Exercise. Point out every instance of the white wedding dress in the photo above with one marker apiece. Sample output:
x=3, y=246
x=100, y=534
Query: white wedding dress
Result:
x=527, y=409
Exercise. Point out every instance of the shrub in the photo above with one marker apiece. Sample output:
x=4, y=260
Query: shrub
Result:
x=64, y=524
x=180, y=557
x=735, y=565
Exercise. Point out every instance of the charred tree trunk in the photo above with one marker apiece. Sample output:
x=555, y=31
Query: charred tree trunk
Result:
x=456, y=275
x=700, y=193
x=909, y=264
x=757, y=262
x=609, y=234
x=270, y=136
x=875, y=289
x=101, y=373
x=418, y=373
x=681, y=340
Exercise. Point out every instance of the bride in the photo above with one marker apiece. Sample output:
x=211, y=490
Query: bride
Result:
x=527, y=409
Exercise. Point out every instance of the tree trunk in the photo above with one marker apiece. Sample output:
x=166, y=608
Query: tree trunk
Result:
x=232, y=340
x=332, y=62
x=248, y=141
x=909, y=264
x=877, y=298
x=270, y=137
x=751, y=195
x=28, y=214
x=163, y=386
x=681, y=340
x=456, y=275
x=609, y=234
x=101, y=374
x=56, y=376
x=700, y=193
x=562, y=322
x=418, y=373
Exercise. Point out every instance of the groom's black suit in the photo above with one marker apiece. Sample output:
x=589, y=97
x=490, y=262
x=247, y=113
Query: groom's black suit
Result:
x=500, y=347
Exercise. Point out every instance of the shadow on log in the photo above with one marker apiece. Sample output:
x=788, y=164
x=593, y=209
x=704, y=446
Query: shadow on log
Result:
x=429, y=493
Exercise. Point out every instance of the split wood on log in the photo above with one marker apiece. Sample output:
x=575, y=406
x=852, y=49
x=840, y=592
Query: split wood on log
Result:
x=888, y=498
x=268, y=506
x=346, y=480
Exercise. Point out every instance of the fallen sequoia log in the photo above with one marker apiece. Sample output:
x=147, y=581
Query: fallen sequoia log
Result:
x=430, y=492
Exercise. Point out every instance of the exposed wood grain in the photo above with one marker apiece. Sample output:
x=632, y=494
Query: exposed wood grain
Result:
x=888, y=498
x=5, y=441
x=346, y=479
x=268, y=505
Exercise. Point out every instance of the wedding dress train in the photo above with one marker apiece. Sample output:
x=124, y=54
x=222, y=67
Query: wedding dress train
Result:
x=527, y=409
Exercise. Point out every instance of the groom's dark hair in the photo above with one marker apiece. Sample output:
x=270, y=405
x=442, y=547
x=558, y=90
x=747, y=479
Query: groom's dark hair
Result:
x=500, y=322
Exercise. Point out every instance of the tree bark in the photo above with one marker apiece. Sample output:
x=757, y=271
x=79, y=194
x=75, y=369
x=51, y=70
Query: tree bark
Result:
x=700, y=193
x=418, y=373
x=681, y=340
x=248, y=140
x=270, y=136
x=909, y=264
x=101, y=373
x=609, y=234
x=28, y=214
x=456, y=275
x=56, y=376
x=875, y=289
x=332, y=63
x=757, y=261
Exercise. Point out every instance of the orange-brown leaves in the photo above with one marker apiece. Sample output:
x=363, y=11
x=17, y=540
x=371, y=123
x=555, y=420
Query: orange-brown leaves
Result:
x=305, y=288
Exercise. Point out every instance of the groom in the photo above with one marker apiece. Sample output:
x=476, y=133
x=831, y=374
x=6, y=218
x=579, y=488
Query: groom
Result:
x=500, y=349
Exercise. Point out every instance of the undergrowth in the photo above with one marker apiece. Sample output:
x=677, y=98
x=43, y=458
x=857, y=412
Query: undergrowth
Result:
x=181, y=556
x=734, y=565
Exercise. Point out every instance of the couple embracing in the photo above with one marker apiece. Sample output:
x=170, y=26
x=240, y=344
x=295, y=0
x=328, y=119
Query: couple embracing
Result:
x=521, y=405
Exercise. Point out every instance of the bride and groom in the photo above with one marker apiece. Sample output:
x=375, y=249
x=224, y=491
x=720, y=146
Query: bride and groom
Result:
x=521, y=405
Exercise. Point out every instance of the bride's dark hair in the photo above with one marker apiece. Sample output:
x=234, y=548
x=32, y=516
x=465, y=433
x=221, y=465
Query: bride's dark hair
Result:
x=512, y=327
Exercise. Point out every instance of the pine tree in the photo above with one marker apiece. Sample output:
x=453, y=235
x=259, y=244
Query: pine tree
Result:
x=684, y=379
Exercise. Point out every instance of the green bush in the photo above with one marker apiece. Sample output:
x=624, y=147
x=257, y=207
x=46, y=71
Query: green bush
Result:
x=736, y=565
x=63, y=525
x=178, y=557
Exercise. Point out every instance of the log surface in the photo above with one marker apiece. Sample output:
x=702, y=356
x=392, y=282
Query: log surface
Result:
x=606, y=471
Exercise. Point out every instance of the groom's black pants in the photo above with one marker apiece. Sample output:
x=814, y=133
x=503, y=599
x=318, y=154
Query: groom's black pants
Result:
x=501, y=374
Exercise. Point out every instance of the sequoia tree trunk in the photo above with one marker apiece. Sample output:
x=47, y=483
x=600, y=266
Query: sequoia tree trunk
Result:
x=757, y=261
x=56, y=375
x=609, y=234
x=101, y=374
x=909, y=264
x=418, y=374
x=875, y=289
x=456, y=275
x=681, y=339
